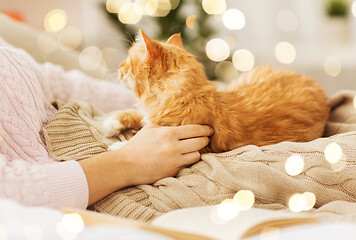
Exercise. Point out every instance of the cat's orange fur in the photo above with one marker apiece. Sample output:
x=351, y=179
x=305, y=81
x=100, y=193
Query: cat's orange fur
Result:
x=266, y=106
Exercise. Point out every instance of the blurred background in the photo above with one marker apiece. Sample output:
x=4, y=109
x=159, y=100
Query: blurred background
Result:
x=316, y=38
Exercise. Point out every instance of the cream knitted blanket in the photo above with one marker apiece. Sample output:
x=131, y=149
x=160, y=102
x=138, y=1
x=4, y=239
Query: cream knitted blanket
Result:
x=75, y=133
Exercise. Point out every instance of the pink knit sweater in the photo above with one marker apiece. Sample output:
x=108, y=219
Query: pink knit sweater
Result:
x=27, y=173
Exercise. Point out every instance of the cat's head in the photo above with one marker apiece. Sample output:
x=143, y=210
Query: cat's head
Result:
x=154, y=67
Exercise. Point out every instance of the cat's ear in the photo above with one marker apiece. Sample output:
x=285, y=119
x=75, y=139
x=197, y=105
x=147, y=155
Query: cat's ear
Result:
x=152, y=47
x=176, y=40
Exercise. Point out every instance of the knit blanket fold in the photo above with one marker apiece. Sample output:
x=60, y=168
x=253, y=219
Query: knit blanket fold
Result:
x=75, y=133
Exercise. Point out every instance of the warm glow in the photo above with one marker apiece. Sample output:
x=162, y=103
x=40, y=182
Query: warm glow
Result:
x=47, y=42
x=270, y=233
x=130, y=13
x=113, y=6
x=225, y=71
x=164, y=7
x=310, y=200
x=333, y=152
x=234, y=19
x=297, y=202
x=70, y=38
x=149, y=7
x=287, y=20
x=285, y=52
x=64, y=234
x=191, y=21
x=90, y=58
x=214, y=6
x=217, y=49
x=73, y=223
x=174, y=4
x=3, y=232
x=332, y=66
x=227, y=210
x=244, y=199
x=55, y=20
x=353, y=8
x=32, y=232
x=243, y=60
x=294, y=165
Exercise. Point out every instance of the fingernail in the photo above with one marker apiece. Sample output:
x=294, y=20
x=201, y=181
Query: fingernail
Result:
x=212, y=130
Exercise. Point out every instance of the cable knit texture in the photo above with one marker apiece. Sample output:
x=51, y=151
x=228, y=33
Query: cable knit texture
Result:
x=219, y=176
x=27, y=172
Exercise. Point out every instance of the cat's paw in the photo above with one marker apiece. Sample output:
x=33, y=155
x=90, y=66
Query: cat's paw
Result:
x=111, y=126
x=117, y=145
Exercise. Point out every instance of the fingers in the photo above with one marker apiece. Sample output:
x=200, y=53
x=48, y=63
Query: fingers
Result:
x=193, y=131
x=190, y=158
x=192, y=144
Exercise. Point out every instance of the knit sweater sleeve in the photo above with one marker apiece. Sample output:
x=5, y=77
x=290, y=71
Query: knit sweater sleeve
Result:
x=27, y=173
x=74, y=84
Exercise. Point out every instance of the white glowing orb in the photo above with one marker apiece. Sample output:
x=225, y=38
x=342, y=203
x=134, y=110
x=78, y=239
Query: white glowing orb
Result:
x=130, y=13
x=164, y=7
x=243, y=60
x=233, y=19
x=297, y=202
x=32, y=232
x=332, y=66
x=244, y=199
x=90, y=58
x=70, y=38
x=73, y=223
x=3, y=232
x=113, y=6
x=174, y=4
x=285, y=52
x=227, y=210
x=333, y=152
x=310, y=200
x=55, y=20
x=149, y=7
x=190, y=22
x=214, y=6
x=287, y=20
x=353, y=8
x=294, y=165
x=217, y=49
x=64, y=234
x=47, y=42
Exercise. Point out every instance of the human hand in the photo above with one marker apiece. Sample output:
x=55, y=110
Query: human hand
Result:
x=157, y=152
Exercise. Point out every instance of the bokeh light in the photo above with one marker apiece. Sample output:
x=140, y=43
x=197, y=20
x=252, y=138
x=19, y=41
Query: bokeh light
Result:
x=333, y=152
x=285, y=52
x=353, y=8
x=354, y=102
x=164, y=7
x=227, y=210
x=32, y=232
x=270, y=233
x=190, y=22
x=332, y=66
x=297, y=202
x=244, y=199
x=214, y=6
x=3, y=232
x=233, y=19
x=287, y=20
x=73, y=223
x=64, y=234
x=174, y=4
x=70, y=38
x=243, y=60
x=113, y=6
x=90, y=58
x=130, y=13
x=310, y=200
x=47, y=42
x=217, y=49
x=225, y=71
x=149, y=7
x=294, y=165
x=55, y=20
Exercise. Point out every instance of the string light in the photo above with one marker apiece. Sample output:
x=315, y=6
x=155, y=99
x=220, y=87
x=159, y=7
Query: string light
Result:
x=285, y=52
x=244, y=199
x=190, y=22
x=287, y=20
x=217, y=49
x=332, y=66
x=174, y=4
x=297, y=202
x=90, y=58
x=333, y=152
x=353, y=8
x=294, y=165
x=32, y=232
x=149, y=7
x=227, y=210
x=243, y=60
x=55, y=20
x=73, y=223
x=70, y=38
x=214, y=6
x=233, y=19
x=310, y=200
x=130, y=13
x=164, y=7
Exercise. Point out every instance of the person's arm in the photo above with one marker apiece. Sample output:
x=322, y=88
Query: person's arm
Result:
x=74, y=84
x=153, y=153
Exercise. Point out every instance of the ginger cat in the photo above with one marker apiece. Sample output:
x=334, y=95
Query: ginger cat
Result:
x=265, y=106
